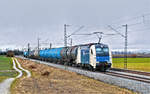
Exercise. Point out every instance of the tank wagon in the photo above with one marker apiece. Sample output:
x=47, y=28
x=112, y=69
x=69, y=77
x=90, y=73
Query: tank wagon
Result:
x=92, y=56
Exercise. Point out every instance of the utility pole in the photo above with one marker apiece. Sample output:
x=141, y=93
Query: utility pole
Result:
x=71, y=42
x=38, y=45
x=28, y=48
x=143, y=19
x=50, y=45
x=126, y=43
x=65, y=35
x=126, y=46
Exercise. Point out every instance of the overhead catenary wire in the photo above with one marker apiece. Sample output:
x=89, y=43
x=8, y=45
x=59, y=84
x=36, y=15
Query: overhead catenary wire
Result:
x=119, y=27
x=141, y=18
x=116, y=31
x=75, y=31
x=122, y=20
x=67, y=36
x=126, y=42
x=98, y=34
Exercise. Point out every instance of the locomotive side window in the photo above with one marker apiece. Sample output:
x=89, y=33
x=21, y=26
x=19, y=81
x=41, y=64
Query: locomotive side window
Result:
x=91, y=51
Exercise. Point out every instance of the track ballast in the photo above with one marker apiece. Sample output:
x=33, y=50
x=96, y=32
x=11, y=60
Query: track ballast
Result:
x=130, y=81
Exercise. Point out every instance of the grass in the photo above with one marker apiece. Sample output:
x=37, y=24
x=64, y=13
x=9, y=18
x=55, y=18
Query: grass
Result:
x=53, y=83
x=2, y=78
x=13, y=85
x=141, y=64
x=8, y=74
x=5, y=65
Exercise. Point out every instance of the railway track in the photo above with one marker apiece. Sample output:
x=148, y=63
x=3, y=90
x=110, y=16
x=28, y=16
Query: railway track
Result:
x=127, y=74
x=135, y=81
x=131, y=71
x=130, y=74
x=145, y=79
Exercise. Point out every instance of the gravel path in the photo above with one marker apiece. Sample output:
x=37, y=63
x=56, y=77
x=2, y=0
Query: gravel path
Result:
x=136, y=86
x=5, y=85
x=28, y=72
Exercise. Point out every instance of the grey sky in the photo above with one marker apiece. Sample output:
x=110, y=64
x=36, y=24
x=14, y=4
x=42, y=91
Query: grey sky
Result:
x=22, y=21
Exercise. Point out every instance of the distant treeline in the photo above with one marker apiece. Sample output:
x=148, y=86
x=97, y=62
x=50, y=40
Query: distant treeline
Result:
x=132, y=56
x=15, y=52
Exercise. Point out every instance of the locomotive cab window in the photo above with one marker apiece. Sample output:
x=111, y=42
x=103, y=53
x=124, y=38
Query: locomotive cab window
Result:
x=105, y=49
x=102, y=51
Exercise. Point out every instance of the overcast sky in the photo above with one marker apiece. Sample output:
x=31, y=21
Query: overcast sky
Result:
x=23, y=21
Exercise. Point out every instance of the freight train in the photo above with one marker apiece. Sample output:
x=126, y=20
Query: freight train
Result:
x=94, y=56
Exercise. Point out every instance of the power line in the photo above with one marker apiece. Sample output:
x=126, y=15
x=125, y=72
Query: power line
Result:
x=84, y=34
x=135, y=24
x=142, y=17
x=67, y=36
x=75, y=31
x=132, y=18
x=116, y=31
x=126, y=42
x=98, y=34
x=143, y=29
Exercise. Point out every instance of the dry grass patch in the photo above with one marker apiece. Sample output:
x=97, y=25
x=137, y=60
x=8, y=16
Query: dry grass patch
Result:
x=50, y=80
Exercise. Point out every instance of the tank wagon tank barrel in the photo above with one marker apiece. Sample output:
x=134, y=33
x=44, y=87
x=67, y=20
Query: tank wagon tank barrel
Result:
x=92, y=56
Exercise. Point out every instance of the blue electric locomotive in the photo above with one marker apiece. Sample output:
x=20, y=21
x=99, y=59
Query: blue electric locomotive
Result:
x=92, y=56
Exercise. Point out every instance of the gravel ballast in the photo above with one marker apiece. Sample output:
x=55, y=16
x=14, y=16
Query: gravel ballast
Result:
x=135, y=86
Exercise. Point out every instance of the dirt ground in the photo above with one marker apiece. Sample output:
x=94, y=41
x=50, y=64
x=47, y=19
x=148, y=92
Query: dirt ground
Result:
x=50, y=80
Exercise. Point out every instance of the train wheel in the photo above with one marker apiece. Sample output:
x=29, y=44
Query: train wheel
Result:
x=90, y=68
x=93, y=69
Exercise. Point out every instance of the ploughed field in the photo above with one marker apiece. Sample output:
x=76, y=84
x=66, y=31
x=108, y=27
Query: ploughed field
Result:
x=141, y=64
x=6, y=68
x=50, y=80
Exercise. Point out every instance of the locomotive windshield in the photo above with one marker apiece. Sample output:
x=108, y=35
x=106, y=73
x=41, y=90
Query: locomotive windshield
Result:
x=102, y=51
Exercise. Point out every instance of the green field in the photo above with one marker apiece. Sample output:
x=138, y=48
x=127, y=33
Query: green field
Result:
x=142, y=64
x=5, y=63
x=6, y=68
